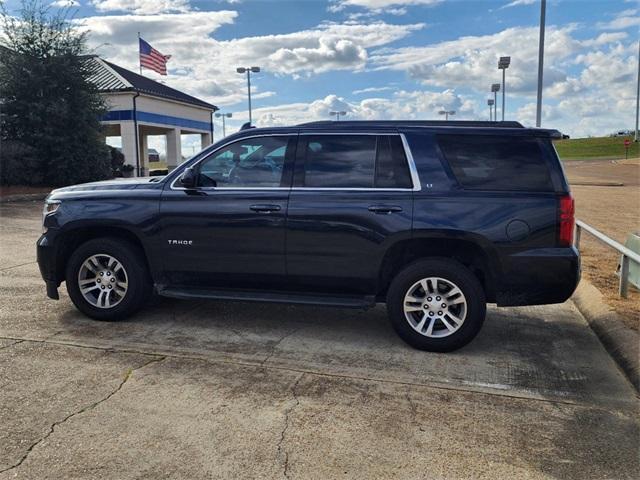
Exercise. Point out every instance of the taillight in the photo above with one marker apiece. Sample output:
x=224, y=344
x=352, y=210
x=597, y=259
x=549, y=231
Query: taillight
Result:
x=566, y=220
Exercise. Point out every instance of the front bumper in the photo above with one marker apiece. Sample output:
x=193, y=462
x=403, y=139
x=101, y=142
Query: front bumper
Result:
x=539, y=276
x=46, y=255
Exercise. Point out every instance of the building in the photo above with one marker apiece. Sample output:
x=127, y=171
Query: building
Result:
x=139, y=107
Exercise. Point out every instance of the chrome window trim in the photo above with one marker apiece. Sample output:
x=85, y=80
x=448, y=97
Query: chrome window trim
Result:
x=415, y=178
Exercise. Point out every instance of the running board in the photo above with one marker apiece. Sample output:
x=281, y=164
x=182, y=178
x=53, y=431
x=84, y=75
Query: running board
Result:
x=344, y=301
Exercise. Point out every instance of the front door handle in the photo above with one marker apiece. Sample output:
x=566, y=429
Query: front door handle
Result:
x=385, y=209
x=265, y=208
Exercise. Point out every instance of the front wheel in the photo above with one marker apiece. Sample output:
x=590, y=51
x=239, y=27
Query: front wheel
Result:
x=436, y=305
x=107, y=279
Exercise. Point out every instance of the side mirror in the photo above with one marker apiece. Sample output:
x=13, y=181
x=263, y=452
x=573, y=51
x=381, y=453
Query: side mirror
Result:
x=188, y=178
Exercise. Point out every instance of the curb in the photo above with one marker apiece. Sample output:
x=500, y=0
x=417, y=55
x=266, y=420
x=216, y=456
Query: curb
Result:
x=27, y=197
x=622, y=343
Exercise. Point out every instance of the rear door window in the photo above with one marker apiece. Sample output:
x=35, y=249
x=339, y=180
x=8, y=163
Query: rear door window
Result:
x=355, y=161
x=484, y=162
x=340, y=161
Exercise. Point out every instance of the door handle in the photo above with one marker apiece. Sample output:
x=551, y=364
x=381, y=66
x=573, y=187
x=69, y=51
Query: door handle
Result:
x=265, y=208
x=385, y=209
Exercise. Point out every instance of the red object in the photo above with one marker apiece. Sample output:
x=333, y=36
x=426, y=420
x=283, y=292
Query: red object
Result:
x=627, y=142
x=152, y=59
x=567, y=220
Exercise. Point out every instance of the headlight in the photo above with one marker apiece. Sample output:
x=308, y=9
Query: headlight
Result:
x=50, y=207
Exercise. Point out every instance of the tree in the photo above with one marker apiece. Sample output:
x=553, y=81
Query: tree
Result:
x=49, y=108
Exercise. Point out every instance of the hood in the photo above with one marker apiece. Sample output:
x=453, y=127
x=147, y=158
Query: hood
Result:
x=115, y=184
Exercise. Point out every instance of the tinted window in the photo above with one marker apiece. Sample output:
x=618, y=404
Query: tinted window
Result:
x=254, y=162
x=340, y=161
x=392, y=170
x=496, y=163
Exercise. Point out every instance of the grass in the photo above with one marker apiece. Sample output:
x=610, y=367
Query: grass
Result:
x=594, y=148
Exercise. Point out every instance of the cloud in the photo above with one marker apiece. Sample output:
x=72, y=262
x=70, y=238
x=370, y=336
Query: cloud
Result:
x=393, y=7
x=517, y=3
x=204, y=66
x=622, y=20
x=142, y=7
x=471, y=61
x=403, y=105
x=65, y=3
x=371, y=90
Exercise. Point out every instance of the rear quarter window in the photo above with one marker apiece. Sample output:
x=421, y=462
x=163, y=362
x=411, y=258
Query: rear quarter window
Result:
x=485, y=162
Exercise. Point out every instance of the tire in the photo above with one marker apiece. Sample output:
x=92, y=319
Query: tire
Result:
x=121, y=291
x=440, y=332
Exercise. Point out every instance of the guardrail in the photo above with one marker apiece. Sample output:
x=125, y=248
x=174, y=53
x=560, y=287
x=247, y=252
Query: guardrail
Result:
x=627, y=254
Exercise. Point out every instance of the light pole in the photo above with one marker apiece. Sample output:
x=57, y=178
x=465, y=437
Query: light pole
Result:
x=637, y=96
x=446, y=113
x=223, y=116
x=338, y=114
x=543, y=11
x=491, y=103
x=248, y=71
x=495, y=88
x=503, y=64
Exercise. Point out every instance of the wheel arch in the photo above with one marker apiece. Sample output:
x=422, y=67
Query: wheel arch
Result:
x=72, y=238
x=471, y=252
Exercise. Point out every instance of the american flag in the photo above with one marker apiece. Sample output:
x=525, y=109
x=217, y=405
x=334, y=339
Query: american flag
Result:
x=152, y=59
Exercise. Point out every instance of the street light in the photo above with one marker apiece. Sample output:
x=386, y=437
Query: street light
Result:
x=635, y=137
x=223, y=116
x=495, y=88
x=338, y=114
x=543, y=12
x=248, y=71
x=491, y=103
x=503, y=64
x=446, y=113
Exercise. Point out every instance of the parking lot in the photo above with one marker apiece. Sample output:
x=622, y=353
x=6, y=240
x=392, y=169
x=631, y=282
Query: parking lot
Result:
x=204, y=389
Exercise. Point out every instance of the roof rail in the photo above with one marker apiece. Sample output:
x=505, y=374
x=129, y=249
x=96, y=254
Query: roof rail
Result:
x=415, y=123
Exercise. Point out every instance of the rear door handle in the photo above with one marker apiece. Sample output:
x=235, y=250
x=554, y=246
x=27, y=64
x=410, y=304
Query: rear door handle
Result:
x=265, y=208
x=385, y=209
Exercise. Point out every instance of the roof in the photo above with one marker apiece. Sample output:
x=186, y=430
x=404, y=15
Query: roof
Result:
x=109, y=77
x=444, y=126
x=414, y=123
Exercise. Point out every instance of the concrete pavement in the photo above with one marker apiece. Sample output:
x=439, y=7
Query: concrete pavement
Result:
x=238, y=390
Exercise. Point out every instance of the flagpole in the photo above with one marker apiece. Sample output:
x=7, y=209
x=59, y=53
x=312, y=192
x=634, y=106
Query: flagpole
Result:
x=139, y=62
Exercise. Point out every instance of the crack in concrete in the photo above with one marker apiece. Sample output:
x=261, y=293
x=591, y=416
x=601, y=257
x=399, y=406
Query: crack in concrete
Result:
x=412, y=408
x=16, y=266
x=277, y=344
x=280, y=453
x=79, y=412
x=12, y=344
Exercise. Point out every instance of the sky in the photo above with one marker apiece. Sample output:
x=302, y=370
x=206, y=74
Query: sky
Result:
x=383, y=59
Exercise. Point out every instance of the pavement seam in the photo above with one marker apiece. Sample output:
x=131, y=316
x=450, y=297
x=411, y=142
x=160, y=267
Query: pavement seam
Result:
x=287, y=415
x=117, y=349
x=79, y=412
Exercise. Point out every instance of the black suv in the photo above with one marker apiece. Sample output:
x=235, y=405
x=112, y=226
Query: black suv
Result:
x=434, y=218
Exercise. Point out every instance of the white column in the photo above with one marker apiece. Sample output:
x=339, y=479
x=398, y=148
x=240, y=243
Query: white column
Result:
x=205, y=140
x=174, y=149
x=128, y=137
x=144, y=153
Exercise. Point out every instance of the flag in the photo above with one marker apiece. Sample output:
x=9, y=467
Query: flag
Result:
x=152, y=59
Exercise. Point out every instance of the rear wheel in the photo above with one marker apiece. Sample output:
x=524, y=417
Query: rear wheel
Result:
x=107, y=279
x=436, y=305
